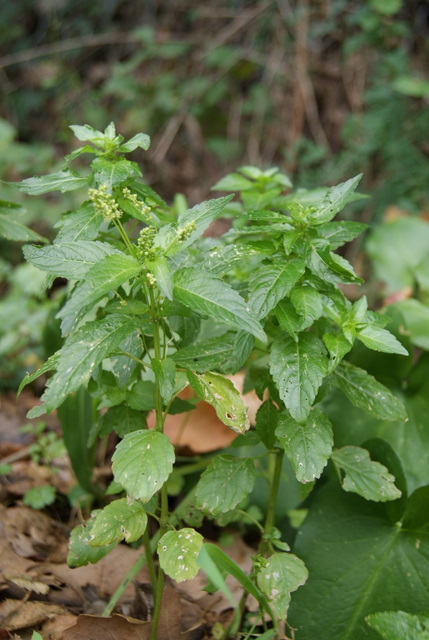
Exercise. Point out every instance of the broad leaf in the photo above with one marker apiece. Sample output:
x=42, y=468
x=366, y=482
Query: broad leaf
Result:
x=178, y=552
x=223, y=396
x=69, y=259
x=267, y=418
x=282, y=574
x=162, y=272
x=82, y=224
x=212, y=297
x=329, y=266
x=119, y=520
x=359, y=562
x=225, y=483
x=101, y=279
x=165, y=371
x=121, y=419
x=11, y=228
x=221, y=259
x=288, y=318
x=50, y=364
x=399, y=625
x=369, y=479
x=80, y=551
x=338, y=346
x=86, y=133
x=298, y=369
x=113, y=173
x=308, y=302
x=396, y=249
x=123, y=367
x=81, y=353
x=139, y=140
x=63, y=181
x=307, y=446
x=241, y=350
x=415, y=319
x=271, y=283
x=201, y=216
x=410, y=439
x=142, y=462
x=364, y=391
x=335, y=200
x=206, y=355
x=380, y=340
x=342, y=231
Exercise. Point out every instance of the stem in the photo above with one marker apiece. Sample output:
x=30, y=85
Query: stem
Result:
x=124, y=237
x=148, y=552
x=275, y=482
x=160, y=581
x=129, y=577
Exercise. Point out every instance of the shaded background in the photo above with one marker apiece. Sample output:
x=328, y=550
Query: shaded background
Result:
x=324, y=89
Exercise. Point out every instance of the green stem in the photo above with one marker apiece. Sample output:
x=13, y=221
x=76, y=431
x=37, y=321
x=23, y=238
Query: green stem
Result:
x=271, y=511
x=124, y=237
x=129, y=577
x=160, y=581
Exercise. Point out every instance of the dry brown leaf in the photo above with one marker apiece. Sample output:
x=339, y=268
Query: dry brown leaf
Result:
x=170, y=627
x=15, y=614
x=54, y=629
x=116, y=627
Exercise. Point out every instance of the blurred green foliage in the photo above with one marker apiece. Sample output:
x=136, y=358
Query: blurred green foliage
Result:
x=324, y=89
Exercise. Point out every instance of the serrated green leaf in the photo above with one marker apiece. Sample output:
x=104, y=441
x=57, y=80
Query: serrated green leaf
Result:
x=335, y=200
x=399, y=625
x=226, y=481
x=210, y=296
x=358, y=561
x=364, y=391
x=271, y=283
x=282, y=574
x=329, y=266
x=201, y=216
x=165, y=371
x=63, y=181
x=78, y=152
x=307, y=446
x=50, y=364
x=82, y=224
x=221, y=259
x=298, y=369
x=338, y=346
x=80, y=552
x=205, y=355
x=69, y=259
x=178, y=552
x=86, y=133
x=223, y=396
x=119, y=520
x=241, y=350
x=112, y=173
x=162, y=272
x=139, y=140
x=380, y=340
x=308, y=303
x=100, y=279
x=13, y=229
x=369, y=479
x=288, y=318
x=340, y=232
x=142, y=462
x=121, y=419
x=123, y=367
x=267, y=418
x=81, y=353
x=233, y=182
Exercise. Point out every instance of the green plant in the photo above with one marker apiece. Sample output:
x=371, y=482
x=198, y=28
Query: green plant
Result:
x=153, y=308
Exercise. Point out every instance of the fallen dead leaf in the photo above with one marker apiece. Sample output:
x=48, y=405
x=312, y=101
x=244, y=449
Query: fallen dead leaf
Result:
x=15, y=614
x=116, y=627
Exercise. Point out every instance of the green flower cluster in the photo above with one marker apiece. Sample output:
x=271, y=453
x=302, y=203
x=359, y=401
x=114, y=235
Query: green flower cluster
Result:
x=105, y=203
x=145, y=243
